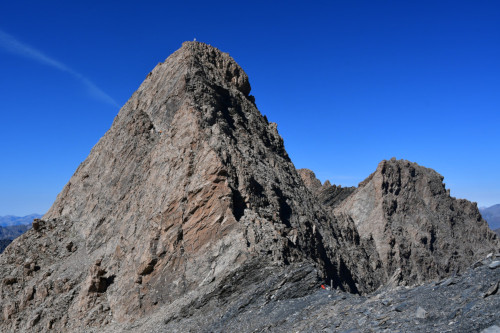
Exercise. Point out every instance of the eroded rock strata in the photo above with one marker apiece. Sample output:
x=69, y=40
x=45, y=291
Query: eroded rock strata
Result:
x=419, y=230
x=190, y=202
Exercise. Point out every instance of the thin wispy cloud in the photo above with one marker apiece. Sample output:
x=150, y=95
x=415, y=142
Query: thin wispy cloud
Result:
x=14, y=46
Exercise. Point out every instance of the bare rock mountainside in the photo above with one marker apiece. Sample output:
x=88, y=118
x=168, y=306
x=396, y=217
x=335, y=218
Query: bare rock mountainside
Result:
x=420, y=232
x=189, y=211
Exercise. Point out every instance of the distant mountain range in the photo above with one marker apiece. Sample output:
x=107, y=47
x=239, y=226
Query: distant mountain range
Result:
x=4, y=243
x=13, y=231
x=491, y=215
x=14, y=226
x=10, y=220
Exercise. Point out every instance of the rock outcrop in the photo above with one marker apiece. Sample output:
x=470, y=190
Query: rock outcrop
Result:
x=330, y=196
x=419, y=230
x=190, y=184
x=464, y=303
x=189, y=206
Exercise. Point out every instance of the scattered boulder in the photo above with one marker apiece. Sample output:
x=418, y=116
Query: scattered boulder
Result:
x=494, y=264
x=491, y=329
x=421, y=313
x=492, y=290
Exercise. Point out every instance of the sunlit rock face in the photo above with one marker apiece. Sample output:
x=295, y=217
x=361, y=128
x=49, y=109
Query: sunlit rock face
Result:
x=190, y=184
x=419, y=230
x=189, y=205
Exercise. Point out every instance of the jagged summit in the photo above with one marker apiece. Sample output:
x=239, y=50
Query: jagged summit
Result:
x=190, y=201
x=190, y=185
x=218, y=66
x=419, y=230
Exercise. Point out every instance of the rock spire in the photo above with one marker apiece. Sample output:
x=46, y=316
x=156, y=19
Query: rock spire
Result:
x=190, y=201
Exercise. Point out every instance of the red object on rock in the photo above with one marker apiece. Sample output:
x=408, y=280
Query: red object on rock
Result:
x=323, y=286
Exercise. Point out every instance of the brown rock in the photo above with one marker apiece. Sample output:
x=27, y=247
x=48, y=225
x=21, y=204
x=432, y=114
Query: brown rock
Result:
x=190, y=195
x=9, y=280
x=190, y=185
x=417, y=227
x=330, y=196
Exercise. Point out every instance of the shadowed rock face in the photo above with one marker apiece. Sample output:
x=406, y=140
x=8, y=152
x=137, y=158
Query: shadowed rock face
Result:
x=190, y=184
x=330, y=196
x=420, y=232
x=190, y=200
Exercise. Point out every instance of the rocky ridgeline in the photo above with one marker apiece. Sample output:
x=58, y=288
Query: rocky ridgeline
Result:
x=420, y=231
x=330, y=196
x=189, y=215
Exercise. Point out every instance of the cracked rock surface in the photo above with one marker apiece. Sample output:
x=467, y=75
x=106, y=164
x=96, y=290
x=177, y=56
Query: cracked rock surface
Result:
x=188, y=215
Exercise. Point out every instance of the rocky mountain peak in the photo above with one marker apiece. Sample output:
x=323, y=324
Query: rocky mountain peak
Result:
x=190, y=201
x=329, y=195
x=218, y=67
x=309, y=179
x=190, y=187
x=420, y=231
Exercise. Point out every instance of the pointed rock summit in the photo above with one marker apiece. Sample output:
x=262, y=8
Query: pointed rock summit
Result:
x=189, y=205
x=420, y=231
x=190, y=185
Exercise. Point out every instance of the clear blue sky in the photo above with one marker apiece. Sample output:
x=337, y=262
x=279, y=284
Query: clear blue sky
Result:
x=348, y=82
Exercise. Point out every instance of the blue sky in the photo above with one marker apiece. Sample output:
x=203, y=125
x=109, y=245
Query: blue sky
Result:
x=348, y=82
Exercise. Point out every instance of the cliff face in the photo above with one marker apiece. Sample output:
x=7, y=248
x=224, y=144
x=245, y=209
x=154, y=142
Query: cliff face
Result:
x=420, y=232
x=190, y=184
x=190, y=202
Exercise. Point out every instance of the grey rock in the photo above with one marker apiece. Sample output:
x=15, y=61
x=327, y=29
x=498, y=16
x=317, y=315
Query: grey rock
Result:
x=420, y=313
x=401, y=194
x=491, y=329
x=478, y=264
x=494, y=264
x=492, y=290
x=401, y=307
x=449, y=282
x=188, y=215
x=329, y=195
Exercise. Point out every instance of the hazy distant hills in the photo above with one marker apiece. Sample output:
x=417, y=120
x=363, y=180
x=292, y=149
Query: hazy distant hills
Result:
x=13, y=231
x=4, y=243
x=10, y=220
x=14, y=226
x=492, y=216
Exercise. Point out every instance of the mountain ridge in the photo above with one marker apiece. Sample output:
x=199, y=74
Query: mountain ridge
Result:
x=491, y=215
x=190, y=200
x=10, y=220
